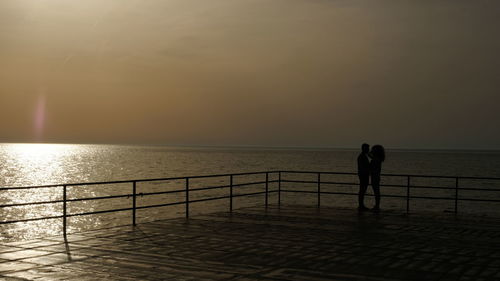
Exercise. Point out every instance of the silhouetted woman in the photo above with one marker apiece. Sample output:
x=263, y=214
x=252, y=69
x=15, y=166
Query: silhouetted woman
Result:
x=378, y=156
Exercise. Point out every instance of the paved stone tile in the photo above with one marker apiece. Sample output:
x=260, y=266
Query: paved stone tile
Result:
x=287, y=243
x=21, y=254
x=4, y=248
x=38, y=244
x=15, y=266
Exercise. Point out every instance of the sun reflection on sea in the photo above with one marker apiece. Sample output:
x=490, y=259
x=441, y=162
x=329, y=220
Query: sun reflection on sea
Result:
x=39, y=163
x=35, y=164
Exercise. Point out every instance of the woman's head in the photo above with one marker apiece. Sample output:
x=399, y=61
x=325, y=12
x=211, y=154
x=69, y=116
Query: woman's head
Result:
x=378, y=152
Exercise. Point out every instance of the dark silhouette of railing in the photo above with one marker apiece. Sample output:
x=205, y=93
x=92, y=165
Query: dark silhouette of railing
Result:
x=281, y=179
x=408, y=186
x=187, y=190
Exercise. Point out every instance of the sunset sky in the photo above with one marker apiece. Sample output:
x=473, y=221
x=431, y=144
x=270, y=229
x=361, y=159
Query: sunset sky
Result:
x=316, y=73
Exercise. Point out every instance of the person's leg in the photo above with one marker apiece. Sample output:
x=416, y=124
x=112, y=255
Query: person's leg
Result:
x=376, y=192
x=363, y=185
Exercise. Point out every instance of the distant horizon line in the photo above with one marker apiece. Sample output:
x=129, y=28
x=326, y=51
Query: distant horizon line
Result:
x=265, y=147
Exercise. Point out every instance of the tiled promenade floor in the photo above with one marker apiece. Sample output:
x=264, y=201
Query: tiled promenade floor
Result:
x=291, y=243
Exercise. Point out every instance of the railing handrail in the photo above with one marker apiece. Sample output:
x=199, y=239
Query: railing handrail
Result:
x=241, y=174
x=135, y=180
x=392, y=175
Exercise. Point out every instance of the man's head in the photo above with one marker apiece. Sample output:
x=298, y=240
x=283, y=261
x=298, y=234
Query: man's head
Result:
x=365, y=148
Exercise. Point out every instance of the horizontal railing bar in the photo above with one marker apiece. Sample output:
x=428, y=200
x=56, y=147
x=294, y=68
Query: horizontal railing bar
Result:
x=431, y=187
x=313, y=172
x=234, y=185
x=98, y=198
x=419, y=176
x=161, y=192
x=335, y=192
x=385, y=195
x=30, y=203
x=478, y=200
x=241, y=174
x=338, y=182
x=342, y=193
x=137, y=180
x=32, y=219
x=389, y=195
x=160, y=205
x=79, y=184
x=391, y=185
x=98, y=212
x=394, y=175
x=202, y=188
x=31, y=187
x=395, y=185
x=197, y=200
x=299, y=181
x=299, y=191
x=355, y=174
x=432, y=197
x=209, y=188
x=234, y=174
x=249, y=194
x=477, y=178
x=208, y=199
x=370, y=195
x=252, y=183
x=394, y=196
x=478, y=189
x=322, y=182
x=61, y=201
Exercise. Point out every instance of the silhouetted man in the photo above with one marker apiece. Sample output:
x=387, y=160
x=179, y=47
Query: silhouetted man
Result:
x=363, y=174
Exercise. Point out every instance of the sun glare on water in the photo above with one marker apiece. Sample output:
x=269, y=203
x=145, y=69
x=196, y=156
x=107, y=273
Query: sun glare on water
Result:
x=38, y=164
x=38, y=149
x=33, y=165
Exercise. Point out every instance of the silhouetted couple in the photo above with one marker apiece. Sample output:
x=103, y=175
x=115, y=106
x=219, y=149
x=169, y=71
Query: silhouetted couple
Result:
x=370, y=169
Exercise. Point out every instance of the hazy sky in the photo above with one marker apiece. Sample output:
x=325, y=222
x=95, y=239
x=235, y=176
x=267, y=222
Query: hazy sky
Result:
x=406, y=74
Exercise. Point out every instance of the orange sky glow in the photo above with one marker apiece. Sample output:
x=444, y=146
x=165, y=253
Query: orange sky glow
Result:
x=408, y=74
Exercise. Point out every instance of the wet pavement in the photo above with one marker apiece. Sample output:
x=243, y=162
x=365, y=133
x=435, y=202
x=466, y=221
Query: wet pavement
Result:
x=287, y=243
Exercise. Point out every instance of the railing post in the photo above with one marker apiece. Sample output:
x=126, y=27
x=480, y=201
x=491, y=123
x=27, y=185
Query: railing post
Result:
x=456, y=195
x=319, y=190
x=64, y=210
x=279, y=189
x=187, y=197
x=231, y=193
x=267, y=188
x=407, y=194
x=134, y=193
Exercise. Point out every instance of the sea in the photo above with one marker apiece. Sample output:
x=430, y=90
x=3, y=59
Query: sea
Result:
x=24, y=165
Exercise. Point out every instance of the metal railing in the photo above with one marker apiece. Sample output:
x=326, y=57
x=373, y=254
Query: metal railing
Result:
x=408, y=186
x=187, y=191
x=281, y=178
